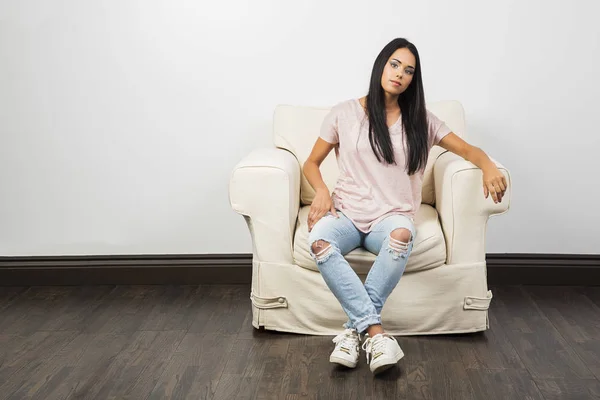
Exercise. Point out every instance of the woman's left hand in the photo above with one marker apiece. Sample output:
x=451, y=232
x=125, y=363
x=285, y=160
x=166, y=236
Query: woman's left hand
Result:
x=494, y=183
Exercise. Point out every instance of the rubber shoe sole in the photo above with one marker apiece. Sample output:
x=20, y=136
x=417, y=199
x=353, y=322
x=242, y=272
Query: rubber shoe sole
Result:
x=342, y=361
x=379, y=366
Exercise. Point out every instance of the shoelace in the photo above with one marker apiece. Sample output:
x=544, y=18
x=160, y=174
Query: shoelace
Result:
x=347, y=338
x=376, y=344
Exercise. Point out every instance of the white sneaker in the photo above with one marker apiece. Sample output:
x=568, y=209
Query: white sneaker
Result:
x=347, y=347
x=383, y=352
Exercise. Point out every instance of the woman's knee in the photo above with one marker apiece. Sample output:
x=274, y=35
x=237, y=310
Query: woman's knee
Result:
x=401, y=234
x=320, y=245
x=321, y=250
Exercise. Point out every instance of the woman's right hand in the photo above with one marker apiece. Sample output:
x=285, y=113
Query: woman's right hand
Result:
x=320, y=206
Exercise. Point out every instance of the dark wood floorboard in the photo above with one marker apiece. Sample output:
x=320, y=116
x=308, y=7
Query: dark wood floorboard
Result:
x=27, y=354
x=195, y=368
x=491, y=349
x=494, y=384
x=197, y=342
x=7, y=295
x=581, y=329
x=76, y=370
x=571, y=389
x=543, y=350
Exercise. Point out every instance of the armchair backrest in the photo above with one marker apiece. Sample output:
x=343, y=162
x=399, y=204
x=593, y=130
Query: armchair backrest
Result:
x=296, y=128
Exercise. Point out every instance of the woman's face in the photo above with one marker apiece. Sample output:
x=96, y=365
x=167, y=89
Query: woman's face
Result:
x=398, y=72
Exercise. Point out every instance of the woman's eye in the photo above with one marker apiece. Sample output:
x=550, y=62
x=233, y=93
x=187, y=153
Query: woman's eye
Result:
x=410, y=72
x=394, y=65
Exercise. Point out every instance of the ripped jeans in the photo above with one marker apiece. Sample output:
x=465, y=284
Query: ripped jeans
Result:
x=333, y=238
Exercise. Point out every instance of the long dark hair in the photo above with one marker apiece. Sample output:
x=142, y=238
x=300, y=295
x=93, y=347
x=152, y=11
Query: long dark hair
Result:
x=412, y=106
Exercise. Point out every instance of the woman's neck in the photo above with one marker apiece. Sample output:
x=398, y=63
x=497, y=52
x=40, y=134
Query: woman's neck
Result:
x=391, y=103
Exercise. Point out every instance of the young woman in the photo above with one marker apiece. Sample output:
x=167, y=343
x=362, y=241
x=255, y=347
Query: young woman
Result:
x=382, y=142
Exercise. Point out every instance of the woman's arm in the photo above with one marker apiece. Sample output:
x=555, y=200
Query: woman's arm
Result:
x=322, y=203
x=494, y=182
x=311, y=166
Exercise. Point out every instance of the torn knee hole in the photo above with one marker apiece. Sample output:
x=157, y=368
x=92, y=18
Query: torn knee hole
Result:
x=399, y=242
x=321, y=250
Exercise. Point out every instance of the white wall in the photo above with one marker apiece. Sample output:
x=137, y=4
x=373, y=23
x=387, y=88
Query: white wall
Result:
x=120, y=122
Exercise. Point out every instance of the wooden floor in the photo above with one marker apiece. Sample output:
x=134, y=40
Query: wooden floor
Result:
x=197, y=342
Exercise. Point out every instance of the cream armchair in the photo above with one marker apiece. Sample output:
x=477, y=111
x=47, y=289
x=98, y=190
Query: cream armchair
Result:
x=444, y=288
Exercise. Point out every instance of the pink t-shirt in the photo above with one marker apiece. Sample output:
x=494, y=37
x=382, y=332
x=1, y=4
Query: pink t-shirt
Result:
x=367, y=190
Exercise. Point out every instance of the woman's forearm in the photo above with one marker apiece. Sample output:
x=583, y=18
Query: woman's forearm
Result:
x=314, y=177
x=480, y=159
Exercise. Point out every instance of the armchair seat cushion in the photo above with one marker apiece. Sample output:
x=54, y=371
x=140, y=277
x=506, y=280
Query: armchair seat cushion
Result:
x=429, y=250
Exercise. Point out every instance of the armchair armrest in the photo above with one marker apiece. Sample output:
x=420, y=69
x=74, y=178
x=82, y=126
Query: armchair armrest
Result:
x=462, y=207
x=264, y=187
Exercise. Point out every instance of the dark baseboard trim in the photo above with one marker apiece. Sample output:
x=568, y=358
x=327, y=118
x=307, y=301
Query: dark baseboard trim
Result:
x=125, y=270
x=543, y=269
x=502, y=269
